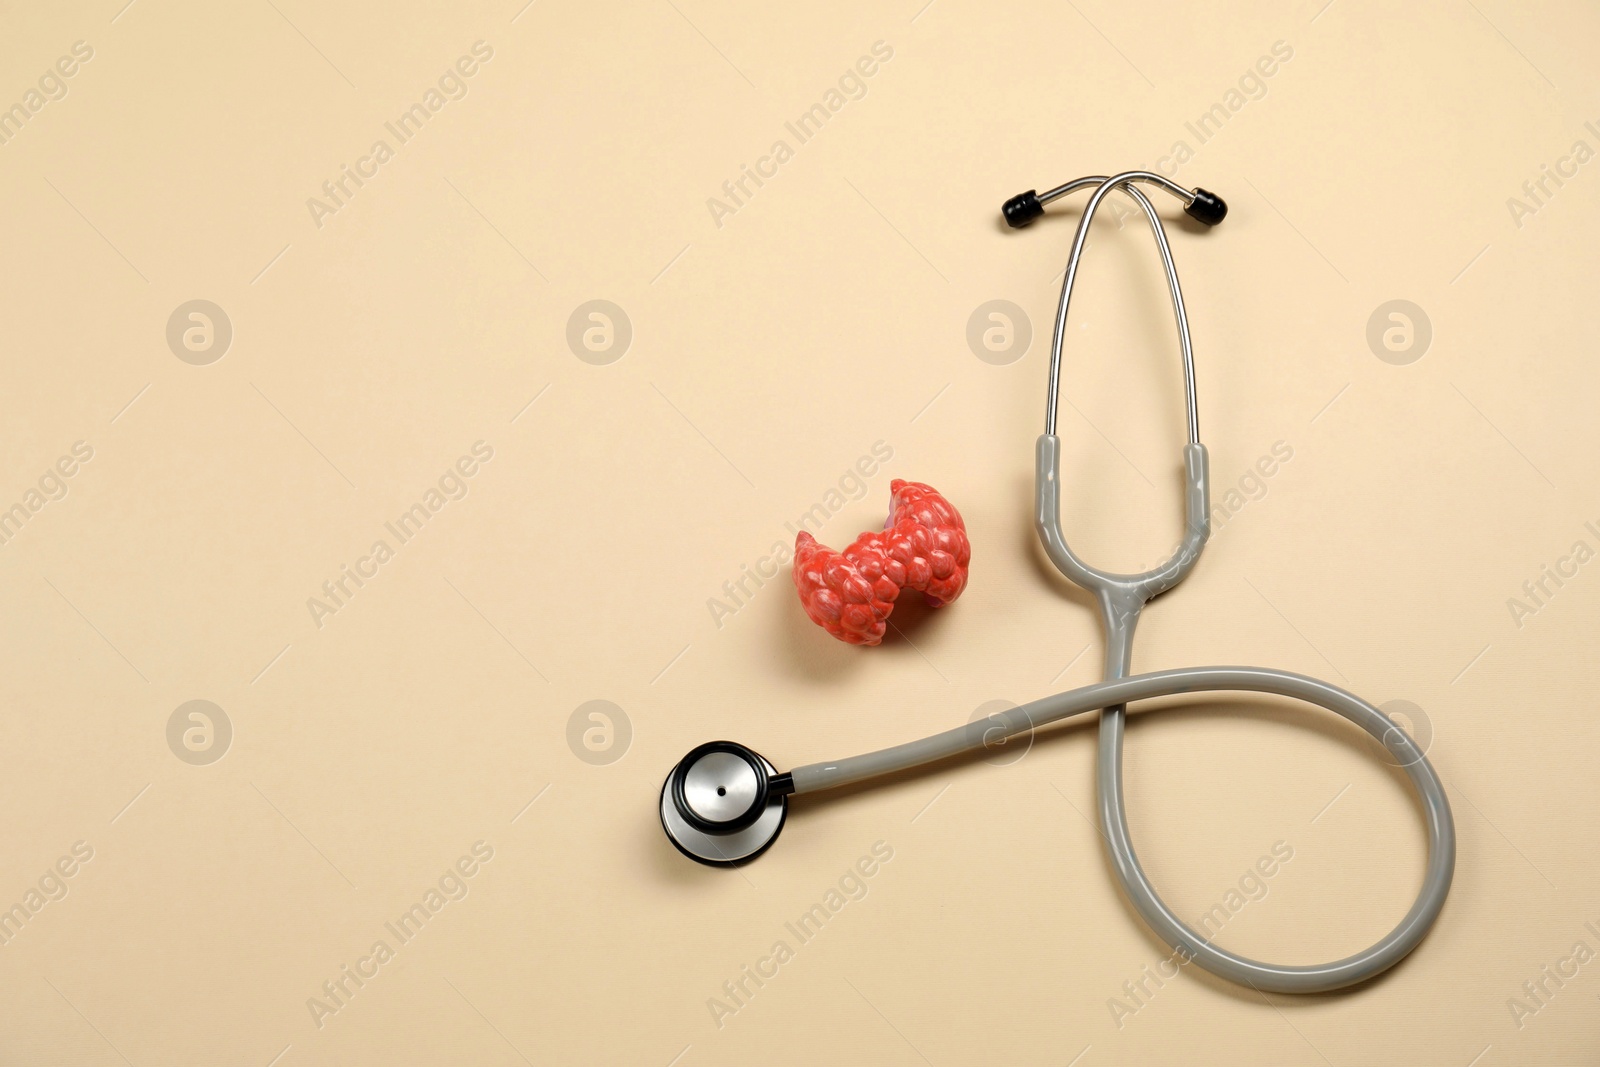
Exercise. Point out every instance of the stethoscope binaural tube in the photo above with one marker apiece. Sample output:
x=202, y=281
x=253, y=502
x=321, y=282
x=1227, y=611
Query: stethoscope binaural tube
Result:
x=1121, y=598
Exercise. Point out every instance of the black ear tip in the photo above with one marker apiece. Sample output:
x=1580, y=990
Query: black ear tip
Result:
x=1022, y=209
x=1208, y=208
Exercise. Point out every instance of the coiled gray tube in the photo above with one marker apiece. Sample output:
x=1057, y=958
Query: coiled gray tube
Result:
x=1111, y=696
x=1121, y=599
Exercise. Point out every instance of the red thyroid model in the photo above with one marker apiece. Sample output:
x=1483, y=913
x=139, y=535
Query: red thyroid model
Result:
x=923, y=546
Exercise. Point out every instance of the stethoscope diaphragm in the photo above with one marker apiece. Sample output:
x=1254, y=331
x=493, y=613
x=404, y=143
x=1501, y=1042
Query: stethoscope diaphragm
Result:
x=724, y=804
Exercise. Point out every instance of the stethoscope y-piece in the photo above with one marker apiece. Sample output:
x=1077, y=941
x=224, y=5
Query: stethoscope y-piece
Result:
x=723, y=804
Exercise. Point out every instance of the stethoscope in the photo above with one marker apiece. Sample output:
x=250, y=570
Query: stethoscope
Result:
x=724, y=804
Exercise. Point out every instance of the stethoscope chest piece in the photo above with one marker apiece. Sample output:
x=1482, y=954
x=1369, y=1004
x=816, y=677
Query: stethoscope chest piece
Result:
x=724, y=804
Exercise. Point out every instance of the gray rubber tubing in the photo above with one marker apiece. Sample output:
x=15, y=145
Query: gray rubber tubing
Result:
x=1111, y=696
x=1121, y=598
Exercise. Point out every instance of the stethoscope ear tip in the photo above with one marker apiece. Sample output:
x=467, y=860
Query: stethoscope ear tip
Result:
x=1207, y=208
x=724, y=804
x=1022, y=209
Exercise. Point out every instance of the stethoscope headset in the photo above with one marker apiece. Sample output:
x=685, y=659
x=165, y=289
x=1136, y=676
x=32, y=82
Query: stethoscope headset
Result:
x=724, y=804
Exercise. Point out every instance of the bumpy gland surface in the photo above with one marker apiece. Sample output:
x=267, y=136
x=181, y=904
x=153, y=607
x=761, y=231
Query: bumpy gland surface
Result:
x=923, y=546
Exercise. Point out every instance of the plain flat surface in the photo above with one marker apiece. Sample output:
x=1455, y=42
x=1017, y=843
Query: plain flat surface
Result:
x=826, y=316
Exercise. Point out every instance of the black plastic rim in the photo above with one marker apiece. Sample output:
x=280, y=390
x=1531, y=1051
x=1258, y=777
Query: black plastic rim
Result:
x=783, y=819
x=757, y=808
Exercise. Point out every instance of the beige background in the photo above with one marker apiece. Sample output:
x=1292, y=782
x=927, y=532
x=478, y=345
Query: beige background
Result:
x=829, y=312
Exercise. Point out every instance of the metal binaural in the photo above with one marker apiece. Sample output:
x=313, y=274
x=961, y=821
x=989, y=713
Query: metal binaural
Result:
x=1123, y=181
